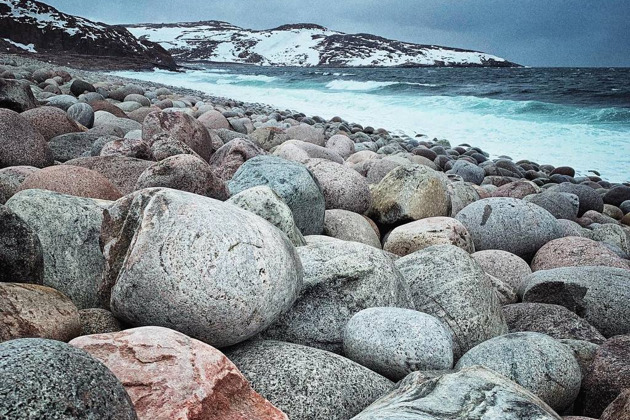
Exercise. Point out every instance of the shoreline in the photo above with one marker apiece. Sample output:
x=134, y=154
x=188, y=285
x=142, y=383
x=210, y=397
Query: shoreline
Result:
x=101, y=75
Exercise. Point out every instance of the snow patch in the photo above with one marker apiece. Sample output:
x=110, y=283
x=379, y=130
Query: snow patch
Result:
x=29, y=47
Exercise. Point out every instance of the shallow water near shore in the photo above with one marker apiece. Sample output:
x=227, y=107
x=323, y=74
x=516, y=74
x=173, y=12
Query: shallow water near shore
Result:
x=575, y=117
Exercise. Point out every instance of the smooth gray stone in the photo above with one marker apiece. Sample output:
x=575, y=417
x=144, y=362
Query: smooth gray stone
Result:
x=395, y=342
x=535, y=361
x=472, y=393
x=600, y=295
x=290, y=180
x=509, y=224
x=340, y=279
x=588, y=198
x=68, y=228
x=450, y=285
x=308, y=383
x=82, y=113
x=583, y=351
x=560, y=205
x=350, y=226
x=47, y=379
x=72, y=145
x=202, y=267
x=468, y=171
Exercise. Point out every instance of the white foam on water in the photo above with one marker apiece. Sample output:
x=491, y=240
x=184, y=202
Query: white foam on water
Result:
x=354, y=85
x=483, y=122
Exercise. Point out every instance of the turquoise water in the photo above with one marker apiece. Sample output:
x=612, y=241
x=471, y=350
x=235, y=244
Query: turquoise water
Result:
x=575, y=117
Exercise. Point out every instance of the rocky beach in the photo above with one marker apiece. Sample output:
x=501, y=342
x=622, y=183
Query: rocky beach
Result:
x=169, y=254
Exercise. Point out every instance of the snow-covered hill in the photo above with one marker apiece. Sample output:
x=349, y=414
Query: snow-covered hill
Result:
x=300, y=45
x=35, y=27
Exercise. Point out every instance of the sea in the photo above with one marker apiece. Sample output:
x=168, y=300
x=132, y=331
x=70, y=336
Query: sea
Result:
x=578, y=117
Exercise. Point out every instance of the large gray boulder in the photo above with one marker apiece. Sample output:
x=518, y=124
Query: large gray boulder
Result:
x=21, y=143
x=509, y=224
x=350, y=226
x=600, y=295
x=308, y=383
x=194, y=264
x=395, y=342
x=409, y=193
x=21, y=256
x=291, y=181
x=264, y=202
x=468, y=171
x=47, y=379
x=340, y=279
x=68, y=228
x=561, y=205
x=16, y=95
x=472, y=393
x=503, y=265
x=447, y=283
x=535, y=361
x=588, y=198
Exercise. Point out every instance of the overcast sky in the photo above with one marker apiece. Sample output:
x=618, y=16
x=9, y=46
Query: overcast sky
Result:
x=529, y=32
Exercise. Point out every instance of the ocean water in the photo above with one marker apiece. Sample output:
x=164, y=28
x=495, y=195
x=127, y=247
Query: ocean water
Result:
x=570, y=116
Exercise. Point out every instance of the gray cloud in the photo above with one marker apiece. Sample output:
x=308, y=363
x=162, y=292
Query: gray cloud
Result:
x=530, y=32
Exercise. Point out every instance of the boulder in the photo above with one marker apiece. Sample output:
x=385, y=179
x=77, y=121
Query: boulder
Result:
x=98, y=321
x=609, y=234
x=16, y=96
x=170, y=261
x=343, y=188
x=232, y=155
x=583, y=351
x=535, y=361
x=414, y=236
x=561, y=205
x=64, y=102
x=129, y=147
x=11, y=178
x=123, y=172
x=182, y=127
x=588, y=198
x=554, y=320
x=50, y=121
x=503, y=265
x=597, y=294
x=516, y=189
x=617, y=195
x=68, y=228
x=462, y=194
x=468, y=171
x=213, y=120
x=169, y=375
x=292, y=181
x=21, y=143
x=410, y=193
x=509, y=224
x=308, y=383
x=300, y=151
x=47, y=379
x=72, y=180
x=185, y=173
x=307, y=133
x=30, y=310
x=619, y=409
x=573, y=251
x=72, y=145
x=264, y=202
x=350, y=226
x=608, y=377
x=471, y=308
x=268, y=137
x=21, y=256
x=460, y=395
x=341, y=144
x=340, y=279
x=395, y=342
x=79, y=87
x=81, y=113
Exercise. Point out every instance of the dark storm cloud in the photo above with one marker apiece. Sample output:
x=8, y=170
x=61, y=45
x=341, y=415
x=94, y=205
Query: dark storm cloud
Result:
x=531, y=32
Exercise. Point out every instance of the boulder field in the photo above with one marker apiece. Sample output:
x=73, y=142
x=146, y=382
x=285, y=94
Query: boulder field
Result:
x=166, y=254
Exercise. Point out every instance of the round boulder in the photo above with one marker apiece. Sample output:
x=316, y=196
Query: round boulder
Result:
x=82, y=113
x=50, y=121
x=350, y=226
x=509, y=224
x=98, y=321
x=308, y=383
x=185, y=173
x=21, y=143
x=535, y=361
x=589, y=199
x=427, y=232
x=573, y=251
x=170, y=259
x=471, y=308
x=560, y=205
x=290, y=180
x=468, y=171
x=231, y=156
x=47, y=379
x=409, y=193
x=503, y=265
x=395, y=342
x=72, y=180
x=343, y=188
x=617, y=195
x=213, y=120
x=123, y=172
x=341, y=144
x=21, y=256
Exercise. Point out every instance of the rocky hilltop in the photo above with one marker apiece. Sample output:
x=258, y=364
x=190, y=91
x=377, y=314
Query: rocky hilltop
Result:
x=301, y=45
x=28, y=26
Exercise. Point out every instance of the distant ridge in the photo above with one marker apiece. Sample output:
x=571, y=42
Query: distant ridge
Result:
x=301, y=44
